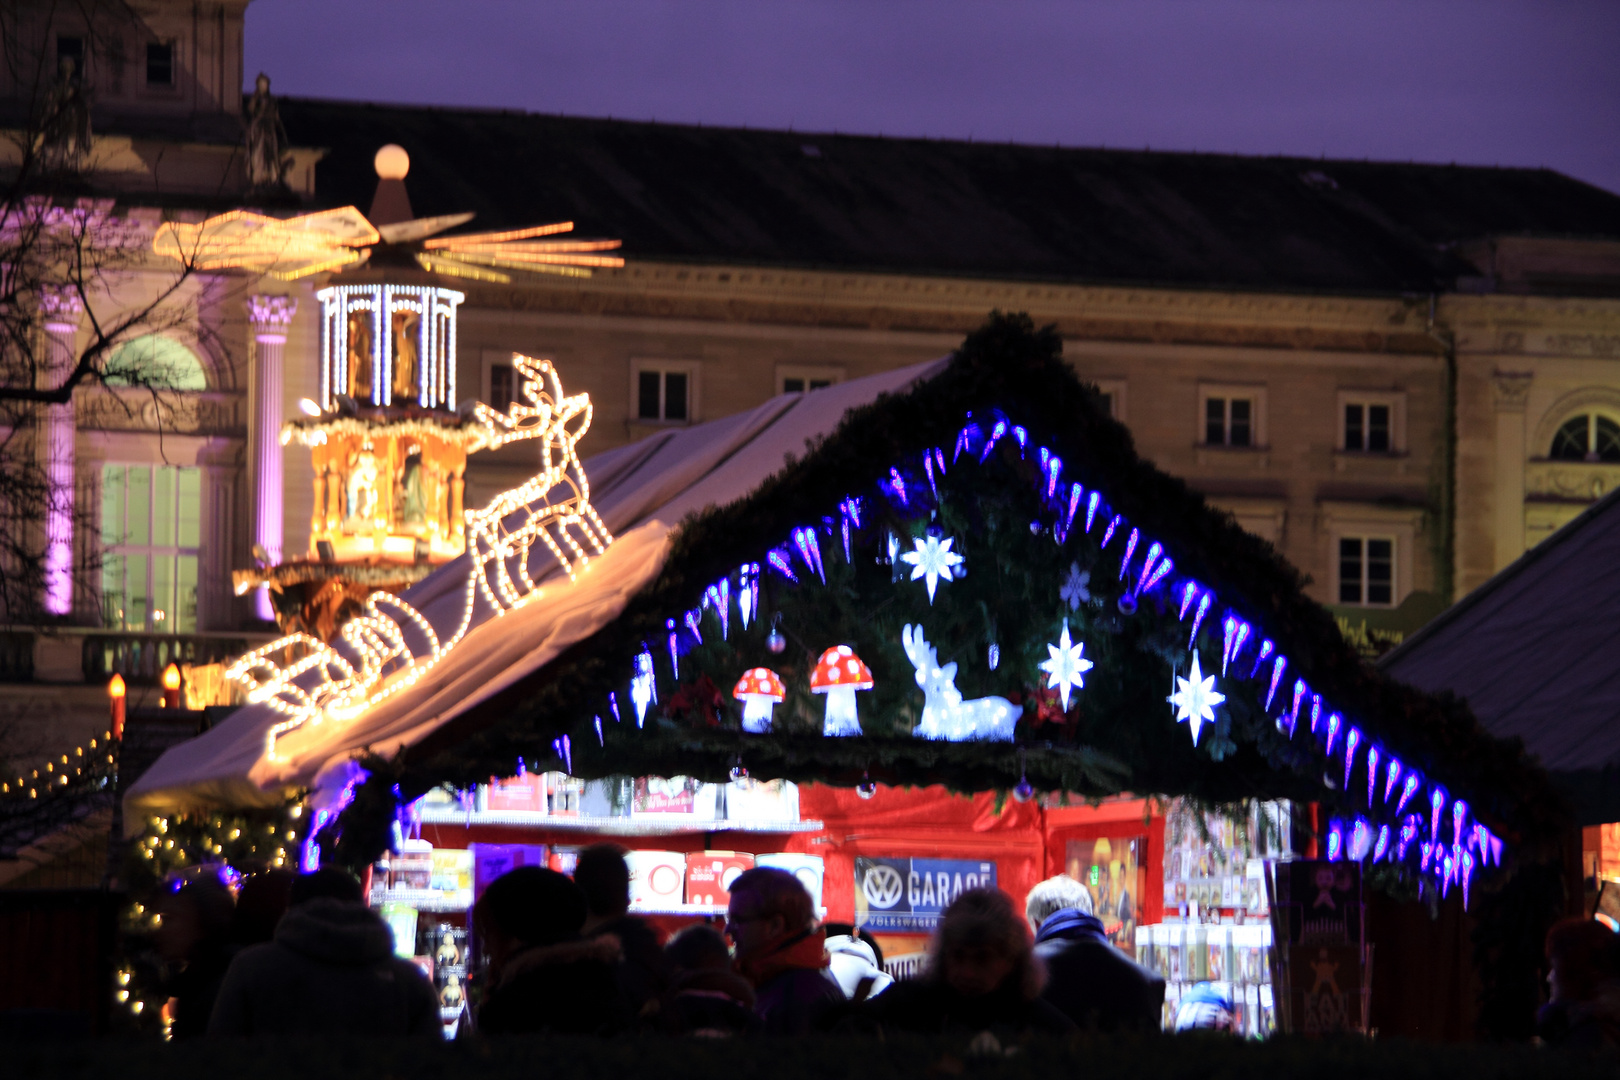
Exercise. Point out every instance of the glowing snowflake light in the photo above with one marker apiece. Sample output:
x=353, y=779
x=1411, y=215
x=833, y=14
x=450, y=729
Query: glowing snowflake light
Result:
x=1075, y=589
x=1066, y=666
x=1195, y=699
x=933, y=560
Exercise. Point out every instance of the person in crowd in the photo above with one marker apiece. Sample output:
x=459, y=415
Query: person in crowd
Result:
x=706, y=997
x=781, y=950
x=194, y=939
x=604, y=878
x=1089, y=980
x=856, y=962
x=1584, y=984
x=260, y=903
x=982, y=975
x=1204, y=1008
x=329, y=969
x=326, y=883
x=543, y=976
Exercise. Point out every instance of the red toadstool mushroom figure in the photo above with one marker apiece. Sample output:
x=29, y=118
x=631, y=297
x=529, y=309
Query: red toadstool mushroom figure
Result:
x=839, y=673
x=759, y=690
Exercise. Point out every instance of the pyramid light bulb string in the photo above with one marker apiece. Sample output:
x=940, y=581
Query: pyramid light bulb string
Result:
x=394, y=645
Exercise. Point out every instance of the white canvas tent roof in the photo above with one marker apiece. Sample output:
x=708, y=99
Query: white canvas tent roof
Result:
x=1535, y=651
x=642, y=491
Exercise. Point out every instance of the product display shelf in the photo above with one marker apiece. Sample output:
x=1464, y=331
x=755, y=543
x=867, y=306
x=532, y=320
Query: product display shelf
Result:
x=425, y=900
x=639, y=825
x=691, y=909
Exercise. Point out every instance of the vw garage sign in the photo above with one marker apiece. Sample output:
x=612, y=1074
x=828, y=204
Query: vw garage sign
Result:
x=910, y=894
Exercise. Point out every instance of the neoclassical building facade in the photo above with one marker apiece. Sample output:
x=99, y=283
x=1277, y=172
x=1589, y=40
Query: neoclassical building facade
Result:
x=1400, y=375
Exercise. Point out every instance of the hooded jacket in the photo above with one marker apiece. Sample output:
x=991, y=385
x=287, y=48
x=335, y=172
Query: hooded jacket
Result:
x=571, y=987
x=1091, y=981
x=855, y=968
x=330, y=969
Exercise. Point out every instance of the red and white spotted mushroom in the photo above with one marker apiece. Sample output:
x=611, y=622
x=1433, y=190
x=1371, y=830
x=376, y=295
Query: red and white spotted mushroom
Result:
x=759, y=690
x=839, y=673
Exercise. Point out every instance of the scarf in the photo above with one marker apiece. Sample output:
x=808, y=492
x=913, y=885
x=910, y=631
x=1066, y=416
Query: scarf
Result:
x=806, y=950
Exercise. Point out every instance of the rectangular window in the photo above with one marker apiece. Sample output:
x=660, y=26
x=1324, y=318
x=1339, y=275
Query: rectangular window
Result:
x=1367, y=571
x=800, y=386
x=502, y=389
x=803, y=378
x=70, y=48
x=151, y=530
x=664, y=394
x=1229, y=421
x=1367, y=427
x=159, y=63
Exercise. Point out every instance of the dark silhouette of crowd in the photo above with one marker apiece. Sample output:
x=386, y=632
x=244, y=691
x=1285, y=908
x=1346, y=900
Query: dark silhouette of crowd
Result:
x=303, y=954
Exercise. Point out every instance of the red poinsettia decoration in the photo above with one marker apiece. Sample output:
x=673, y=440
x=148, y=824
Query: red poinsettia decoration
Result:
x=701, y=700
x=1049, y=709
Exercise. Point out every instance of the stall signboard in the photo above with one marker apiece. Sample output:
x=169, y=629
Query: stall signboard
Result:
x=911, y=894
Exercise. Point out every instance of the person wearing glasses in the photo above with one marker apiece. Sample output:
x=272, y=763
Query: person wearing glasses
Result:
x=781, y=950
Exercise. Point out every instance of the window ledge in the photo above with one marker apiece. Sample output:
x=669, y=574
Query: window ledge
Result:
x=1371, y=462
x=1256, y=457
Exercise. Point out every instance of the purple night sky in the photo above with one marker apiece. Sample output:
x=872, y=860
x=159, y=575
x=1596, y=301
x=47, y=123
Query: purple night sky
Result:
x=1509, y=82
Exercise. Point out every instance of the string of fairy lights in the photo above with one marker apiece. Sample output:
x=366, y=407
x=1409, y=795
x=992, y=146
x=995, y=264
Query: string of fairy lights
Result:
x=93, y=757
x=392, y=644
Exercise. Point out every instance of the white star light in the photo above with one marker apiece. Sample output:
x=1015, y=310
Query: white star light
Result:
x=932, y=560
x=1067, y=666
x=1195, y=699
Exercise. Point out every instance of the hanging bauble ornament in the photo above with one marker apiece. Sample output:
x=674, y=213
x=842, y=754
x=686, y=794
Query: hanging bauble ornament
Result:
x=1024, y=791
x=866, y=789
x=774, y=641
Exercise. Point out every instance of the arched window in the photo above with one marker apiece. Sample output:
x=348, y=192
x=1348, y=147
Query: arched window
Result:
x=1588, y=437
x=158, y=362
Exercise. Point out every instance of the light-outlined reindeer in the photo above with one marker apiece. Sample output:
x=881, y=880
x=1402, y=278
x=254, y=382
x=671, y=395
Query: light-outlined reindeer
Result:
x=945, y=715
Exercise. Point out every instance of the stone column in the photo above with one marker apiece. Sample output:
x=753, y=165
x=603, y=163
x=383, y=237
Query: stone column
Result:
x=269, y=316
x=1510, y=389
x=62, y=309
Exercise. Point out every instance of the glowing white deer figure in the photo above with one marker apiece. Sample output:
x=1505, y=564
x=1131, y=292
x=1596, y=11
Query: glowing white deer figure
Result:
x=945, y=715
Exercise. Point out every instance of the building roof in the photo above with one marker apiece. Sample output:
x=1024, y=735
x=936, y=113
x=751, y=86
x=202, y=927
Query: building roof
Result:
x=1535, y=651
x=850, y=202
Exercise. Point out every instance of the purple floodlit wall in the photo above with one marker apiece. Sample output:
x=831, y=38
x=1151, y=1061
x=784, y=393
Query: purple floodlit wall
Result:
x=62, y=310
x=270, y=317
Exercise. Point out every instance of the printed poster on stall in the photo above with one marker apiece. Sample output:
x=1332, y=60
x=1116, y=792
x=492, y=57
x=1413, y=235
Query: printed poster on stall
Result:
x=909, y=895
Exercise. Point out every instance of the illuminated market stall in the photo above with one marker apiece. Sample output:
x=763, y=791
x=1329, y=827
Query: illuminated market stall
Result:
x=963, y=635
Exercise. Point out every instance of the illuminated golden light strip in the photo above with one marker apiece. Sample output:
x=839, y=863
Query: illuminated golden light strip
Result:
x=551, y=247
x=340, y=690
x=288, y=248
x=440, y=265
x=501, y=237
x=521, y=259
